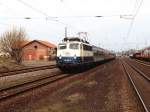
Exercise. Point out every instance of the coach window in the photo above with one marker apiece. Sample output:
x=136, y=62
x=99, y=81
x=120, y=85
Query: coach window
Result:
x=74, y=46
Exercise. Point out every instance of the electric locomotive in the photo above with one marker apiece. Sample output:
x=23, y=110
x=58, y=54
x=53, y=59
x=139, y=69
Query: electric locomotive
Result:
x=76, y=52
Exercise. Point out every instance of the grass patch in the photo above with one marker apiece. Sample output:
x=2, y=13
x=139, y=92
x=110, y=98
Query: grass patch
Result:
x=91, y=83
x=60, y=107
x=7, y=64
x=74, y=98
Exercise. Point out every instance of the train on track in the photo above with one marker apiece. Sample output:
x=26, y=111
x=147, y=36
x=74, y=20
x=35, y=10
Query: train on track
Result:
x=76, y=52
x=142, y=54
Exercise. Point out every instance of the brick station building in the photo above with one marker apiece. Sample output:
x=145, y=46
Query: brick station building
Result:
x=39, y=50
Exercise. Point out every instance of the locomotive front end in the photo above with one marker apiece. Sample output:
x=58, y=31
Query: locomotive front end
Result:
x=68, y=54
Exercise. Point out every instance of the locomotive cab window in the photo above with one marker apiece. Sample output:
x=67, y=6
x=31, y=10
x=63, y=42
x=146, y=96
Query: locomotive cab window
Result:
x=74, y=46
x=62, y=46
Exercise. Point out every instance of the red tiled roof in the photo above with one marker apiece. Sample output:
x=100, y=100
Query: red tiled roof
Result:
x=48, y=44
x=45, y=43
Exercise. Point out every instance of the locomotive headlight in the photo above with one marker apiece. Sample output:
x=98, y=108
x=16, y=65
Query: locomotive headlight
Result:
x=60, y=57
x=75, y=57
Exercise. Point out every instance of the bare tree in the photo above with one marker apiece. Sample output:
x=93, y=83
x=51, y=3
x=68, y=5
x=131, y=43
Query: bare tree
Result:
x=12, y=42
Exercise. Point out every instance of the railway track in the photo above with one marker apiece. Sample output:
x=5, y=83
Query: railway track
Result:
x=143, y=62
x=25, y=70
x=140, y=84
x=6, y=93
x=141, y=68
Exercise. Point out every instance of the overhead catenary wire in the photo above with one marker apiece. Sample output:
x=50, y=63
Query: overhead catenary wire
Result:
x=138, y=4
x=133, y=18
x=138, y=8
x=55, y=18
x=65, y=17
x=62, y=2
x=36, y=9
x=43, y=13
x=33, y=8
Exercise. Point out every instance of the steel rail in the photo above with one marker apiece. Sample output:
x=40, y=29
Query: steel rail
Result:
x=139, y=71
x=26, y=70
x=135, y=88
x=142, y=63
x=7, y=93
x=28, y=82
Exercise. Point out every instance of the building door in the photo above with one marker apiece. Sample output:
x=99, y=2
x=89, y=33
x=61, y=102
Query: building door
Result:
x=30, y=57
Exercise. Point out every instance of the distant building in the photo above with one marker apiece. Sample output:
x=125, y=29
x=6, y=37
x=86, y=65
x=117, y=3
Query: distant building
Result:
x=39, y=50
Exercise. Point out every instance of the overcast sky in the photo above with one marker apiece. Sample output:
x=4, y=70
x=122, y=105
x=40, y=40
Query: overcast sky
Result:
x=109, y=31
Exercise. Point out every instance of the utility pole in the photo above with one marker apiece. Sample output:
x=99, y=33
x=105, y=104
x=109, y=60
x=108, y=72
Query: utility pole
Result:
x=66, y=32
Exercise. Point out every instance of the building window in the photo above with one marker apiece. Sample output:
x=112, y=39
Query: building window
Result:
x=35, y=47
